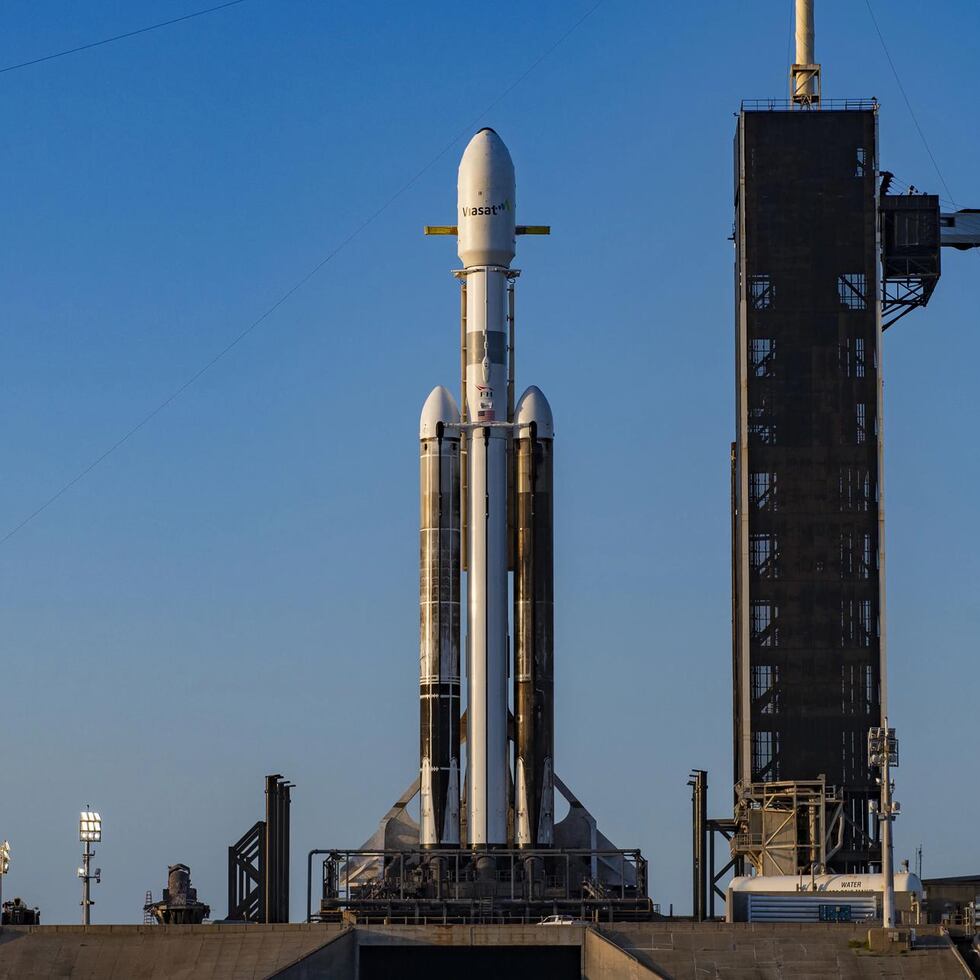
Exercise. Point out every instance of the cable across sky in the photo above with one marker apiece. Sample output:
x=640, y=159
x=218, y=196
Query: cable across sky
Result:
x=120, y=37
x=180, y=389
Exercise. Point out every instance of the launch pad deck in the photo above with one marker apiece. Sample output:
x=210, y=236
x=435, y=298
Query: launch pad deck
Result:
x=502, y=885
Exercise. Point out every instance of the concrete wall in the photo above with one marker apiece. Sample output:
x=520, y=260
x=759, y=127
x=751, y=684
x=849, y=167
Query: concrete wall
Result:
x=337, y=960
x=634, y=951
x=735, y=951
x=602, y=959
x=232, y=952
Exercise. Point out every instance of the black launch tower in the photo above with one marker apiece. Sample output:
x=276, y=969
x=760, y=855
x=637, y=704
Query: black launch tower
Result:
x=807, y=506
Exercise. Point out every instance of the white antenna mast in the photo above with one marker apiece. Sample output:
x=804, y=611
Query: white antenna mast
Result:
x=804, y=75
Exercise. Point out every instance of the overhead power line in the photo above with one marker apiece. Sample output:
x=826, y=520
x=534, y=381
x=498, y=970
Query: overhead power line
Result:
x=120, y=37
x=901, y=88
x=180, y=389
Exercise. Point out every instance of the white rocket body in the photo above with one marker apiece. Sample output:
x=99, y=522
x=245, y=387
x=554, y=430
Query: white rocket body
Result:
x=485, y=220
x=479, y=443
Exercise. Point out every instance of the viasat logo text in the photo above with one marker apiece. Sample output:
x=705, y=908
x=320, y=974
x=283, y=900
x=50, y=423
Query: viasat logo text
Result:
x=486, y=209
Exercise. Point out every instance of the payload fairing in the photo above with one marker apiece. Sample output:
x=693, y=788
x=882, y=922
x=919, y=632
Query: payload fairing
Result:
x=486, y=508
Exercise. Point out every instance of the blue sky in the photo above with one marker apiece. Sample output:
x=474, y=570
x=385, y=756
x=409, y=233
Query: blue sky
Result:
x=234, y=590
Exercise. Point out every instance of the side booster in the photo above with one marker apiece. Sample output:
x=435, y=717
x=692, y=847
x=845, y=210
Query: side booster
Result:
x=534, y=617
x=439, y=612
x=486, y=486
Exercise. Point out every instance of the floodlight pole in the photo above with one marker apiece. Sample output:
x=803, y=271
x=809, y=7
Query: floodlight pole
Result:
x=4, y=868
x=89, y=830
x=887, y=853
x=86, y=885
x=883, y=754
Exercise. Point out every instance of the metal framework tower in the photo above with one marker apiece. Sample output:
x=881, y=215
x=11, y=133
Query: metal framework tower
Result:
x=826, y=260
x=808, y=555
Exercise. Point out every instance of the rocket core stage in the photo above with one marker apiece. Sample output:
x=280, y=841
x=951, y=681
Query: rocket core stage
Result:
x=486, y=508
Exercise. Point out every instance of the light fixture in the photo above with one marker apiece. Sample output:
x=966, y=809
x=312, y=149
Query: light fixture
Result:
x=90, y=826
x=89, y=833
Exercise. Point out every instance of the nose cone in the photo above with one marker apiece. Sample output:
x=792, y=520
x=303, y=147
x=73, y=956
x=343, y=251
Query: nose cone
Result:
x=440, y=406
x=486, y=202
x=534, y=407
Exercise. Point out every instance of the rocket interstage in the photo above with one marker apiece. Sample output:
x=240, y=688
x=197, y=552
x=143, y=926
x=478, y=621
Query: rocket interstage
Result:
x=490, y=466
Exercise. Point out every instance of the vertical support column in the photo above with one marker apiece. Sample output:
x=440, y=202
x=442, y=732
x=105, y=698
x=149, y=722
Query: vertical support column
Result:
x=699, y=822
x=804, y=32
x=740, y=485
x=511, y=350
x=711, y=874
x=464, y=417
x=269, y=885
x=262, y=863
x=273, y=864
x=286, y=817
x=233, y=875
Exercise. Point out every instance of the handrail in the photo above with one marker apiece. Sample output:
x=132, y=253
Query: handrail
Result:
x=784, y=105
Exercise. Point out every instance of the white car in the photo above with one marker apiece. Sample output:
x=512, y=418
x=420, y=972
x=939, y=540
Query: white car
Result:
x=563, y=920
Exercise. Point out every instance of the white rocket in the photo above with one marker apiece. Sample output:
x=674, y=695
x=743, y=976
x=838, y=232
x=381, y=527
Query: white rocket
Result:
x=486, y=492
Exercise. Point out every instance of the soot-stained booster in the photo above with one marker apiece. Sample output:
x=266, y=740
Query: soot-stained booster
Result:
x=486, y=510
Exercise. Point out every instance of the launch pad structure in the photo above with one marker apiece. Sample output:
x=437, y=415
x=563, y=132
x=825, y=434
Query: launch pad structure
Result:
x=391, y=878
x=826, y=259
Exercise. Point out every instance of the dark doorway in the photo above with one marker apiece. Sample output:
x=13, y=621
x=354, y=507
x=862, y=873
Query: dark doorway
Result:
x=470, y=962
